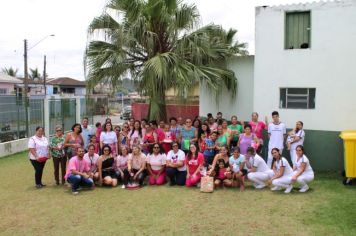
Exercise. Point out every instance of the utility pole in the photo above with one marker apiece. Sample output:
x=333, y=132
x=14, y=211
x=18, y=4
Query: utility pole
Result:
x=26, y=86
x=44, y=75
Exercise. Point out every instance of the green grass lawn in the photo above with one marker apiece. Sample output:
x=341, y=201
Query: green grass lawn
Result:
x=328, y=209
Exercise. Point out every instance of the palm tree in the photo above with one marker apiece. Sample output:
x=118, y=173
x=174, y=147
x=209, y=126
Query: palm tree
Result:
x=34, y=73
x=158, y=43
x=10, y=71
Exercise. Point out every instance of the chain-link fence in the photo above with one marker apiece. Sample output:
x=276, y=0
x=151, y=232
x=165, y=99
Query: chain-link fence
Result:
x=14, y=122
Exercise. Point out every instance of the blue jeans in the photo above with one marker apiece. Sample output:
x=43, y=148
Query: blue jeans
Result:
x=176, y=176
x=78, y=180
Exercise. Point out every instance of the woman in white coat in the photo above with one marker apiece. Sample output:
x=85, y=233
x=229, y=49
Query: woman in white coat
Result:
x=303, y=172
x=282, y=173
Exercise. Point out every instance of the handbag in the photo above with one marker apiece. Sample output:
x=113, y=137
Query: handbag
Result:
x=207, y=184
x=42, y=159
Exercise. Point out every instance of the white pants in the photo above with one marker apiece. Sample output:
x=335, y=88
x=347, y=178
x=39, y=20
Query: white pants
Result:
x=260, y=177
x=270, y=157
x=304, y=179
x=283, y=181
x=293, y=156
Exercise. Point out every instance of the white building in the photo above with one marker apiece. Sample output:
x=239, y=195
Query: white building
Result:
x=304, y=68
x=326, y=68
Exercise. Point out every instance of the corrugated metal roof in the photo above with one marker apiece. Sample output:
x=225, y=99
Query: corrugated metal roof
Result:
x=4, y=78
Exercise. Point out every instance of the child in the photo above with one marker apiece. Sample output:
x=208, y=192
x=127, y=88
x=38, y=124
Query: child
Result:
x=222, y=171
x=237, y=164
x=202, y=143
x=290, y=138
x=95, y=143
x=98, y=131
x=169, y=137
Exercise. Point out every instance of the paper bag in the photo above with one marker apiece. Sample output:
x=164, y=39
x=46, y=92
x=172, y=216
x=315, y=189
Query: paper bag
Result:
x=207, y=184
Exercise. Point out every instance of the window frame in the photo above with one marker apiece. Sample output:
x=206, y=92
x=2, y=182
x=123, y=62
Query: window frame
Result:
x=285, y=29
x=307, y=95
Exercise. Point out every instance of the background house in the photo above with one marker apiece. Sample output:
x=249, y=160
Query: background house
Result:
x=7, y=84
x=66, y=85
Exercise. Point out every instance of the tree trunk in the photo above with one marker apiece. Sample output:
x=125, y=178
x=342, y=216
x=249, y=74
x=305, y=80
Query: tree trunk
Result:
x=157, y=106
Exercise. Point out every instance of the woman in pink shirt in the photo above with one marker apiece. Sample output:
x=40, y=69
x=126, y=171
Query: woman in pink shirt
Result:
x=257, y=128
x=156, y=165
x=121, y=164
x=194, y=162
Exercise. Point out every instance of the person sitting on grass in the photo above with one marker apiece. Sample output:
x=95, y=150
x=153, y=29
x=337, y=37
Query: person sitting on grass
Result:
x=194, y=161
x=78, y=172
x=92, y=158
x=121, y=165
x=221, y=172
x=303, y=172
x=222, y=155
x=136, y=167
x=238, y=171
x=258, y=171
x=176, y=169
x=156, y=165
x=106, y=168
x=282, y=173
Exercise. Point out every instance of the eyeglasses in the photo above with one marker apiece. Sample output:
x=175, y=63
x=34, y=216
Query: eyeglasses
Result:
x=126, y=127
x=175, y=146
x=155, y=147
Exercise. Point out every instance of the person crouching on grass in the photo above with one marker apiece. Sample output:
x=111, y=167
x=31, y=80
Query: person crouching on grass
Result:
x=221, y=172
x=194, y=162
x=282, y=173
x=156, y=165
x=78, y=172
x=238, y=171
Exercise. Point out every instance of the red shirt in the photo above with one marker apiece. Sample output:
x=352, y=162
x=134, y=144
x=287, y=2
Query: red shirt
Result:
x=193, y=164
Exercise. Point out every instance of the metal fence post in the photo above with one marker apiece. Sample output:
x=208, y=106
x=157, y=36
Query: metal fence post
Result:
x=77, y=110
x=46, y=116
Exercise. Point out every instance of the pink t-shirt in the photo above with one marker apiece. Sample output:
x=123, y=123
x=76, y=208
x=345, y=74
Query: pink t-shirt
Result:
x=156, y=161
x=92, y=161
x=121, y=161
x=77, y=165
x=193, y=164
x=257, y=128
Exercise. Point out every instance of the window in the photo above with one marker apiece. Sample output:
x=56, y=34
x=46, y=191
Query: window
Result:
x=297, y=30
x=297, y=98
x=3, y=91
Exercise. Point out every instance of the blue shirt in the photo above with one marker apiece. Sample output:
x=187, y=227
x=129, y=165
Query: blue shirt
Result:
x=209, y=152
x=236, y=162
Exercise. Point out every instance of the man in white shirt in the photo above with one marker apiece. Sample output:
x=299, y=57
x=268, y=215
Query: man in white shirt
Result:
x=276, y=133
x=87, y=131
x=258, y=171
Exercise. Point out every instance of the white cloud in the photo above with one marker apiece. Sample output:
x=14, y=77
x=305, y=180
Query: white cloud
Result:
x=69, y=19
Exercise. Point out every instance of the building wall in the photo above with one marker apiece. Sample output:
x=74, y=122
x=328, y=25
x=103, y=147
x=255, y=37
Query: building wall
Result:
x=80, y=91
x=328, y=66
x=240, y=105
x=9, y=88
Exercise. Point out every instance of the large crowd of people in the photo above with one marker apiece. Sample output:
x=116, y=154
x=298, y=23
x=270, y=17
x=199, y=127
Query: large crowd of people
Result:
x=180, y=152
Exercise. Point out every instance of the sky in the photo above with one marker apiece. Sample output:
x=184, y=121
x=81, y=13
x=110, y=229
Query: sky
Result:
x=68, y=20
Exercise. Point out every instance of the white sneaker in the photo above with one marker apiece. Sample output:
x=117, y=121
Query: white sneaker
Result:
x=260, y=186
x=276, y=188
x=75, y=193
x=304, y=189
x=123, y=186
x=288, y=189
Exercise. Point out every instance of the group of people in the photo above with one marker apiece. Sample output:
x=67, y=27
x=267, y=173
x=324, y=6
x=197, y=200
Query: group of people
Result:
x=181, y=152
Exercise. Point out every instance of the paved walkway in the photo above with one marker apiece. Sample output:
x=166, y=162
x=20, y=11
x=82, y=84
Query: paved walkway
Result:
x=115, y=119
